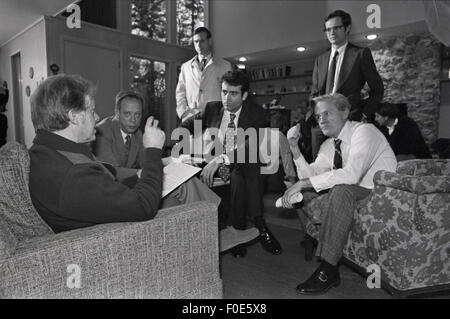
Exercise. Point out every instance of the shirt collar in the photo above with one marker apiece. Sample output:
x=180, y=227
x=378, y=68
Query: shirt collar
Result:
x=346, y=133
x=341, y=49
x=237, y=113
x=392, y=127
x=60, y=143
x=124, y=135
x=197, y=59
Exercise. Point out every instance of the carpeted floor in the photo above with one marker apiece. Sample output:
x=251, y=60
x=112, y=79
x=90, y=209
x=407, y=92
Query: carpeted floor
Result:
x=261, y=275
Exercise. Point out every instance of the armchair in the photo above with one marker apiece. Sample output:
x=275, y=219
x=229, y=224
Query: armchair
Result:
x=404, y=228
x=174, y=255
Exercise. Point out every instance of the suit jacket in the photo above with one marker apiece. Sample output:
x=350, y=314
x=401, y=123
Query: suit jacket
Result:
x=109, y=147
x=251, y=116
x=406, y=139
x=357, y=68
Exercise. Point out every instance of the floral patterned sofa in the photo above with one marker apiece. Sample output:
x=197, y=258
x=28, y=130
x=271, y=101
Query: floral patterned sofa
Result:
x=403, y=226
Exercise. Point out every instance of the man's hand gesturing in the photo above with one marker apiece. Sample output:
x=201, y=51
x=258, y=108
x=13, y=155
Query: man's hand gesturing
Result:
x=153, y=135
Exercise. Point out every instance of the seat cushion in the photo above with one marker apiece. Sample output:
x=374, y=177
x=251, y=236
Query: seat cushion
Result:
x=8, y=241
x=16, y=209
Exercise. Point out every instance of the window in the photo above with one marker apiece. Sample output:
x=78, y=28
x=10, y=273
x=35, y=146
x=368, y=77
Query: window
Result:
x=149, y=78
x=190, y=15
x=148, y=19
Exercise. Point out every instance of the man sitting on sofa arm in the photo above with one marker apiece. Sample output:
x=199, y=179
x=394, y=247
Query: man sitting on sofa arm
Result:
x=344, y=169
x=69, y=187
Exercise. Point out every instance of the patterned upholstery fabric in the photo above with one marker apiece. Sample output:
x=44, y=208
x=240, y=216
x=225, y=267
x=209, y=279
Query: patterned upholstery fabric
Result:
x=174, y=255
x=16, y=208
x=404, y=225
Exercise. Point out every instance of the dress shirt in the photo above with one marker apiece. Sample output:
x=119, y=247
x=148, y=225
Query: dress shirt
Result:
x=124, y=136
x=392, y=128
x=340, y=58
x=364, y=152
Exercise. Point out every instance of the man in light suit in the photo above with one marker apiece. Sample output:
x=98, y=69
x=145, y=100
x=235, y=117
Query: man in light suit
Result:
x=119, y=143
x=345, y=68
x=199, y=80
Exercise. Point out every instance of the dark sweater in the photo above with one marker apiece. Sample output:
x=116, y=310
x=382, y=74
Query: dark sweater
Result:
x=71, y=194
x=406, y=139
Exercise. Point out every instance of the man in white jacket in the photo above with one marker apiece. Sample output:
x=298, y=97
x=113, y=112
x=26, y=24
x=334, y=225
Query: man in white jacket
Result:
x=199, y=80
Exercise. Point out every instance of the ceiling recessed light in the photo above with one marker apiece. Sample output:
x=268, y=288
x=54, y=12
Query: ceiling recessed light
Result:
x=242, y=59
x=301, y=49
x=371, y=36
x=241, y=66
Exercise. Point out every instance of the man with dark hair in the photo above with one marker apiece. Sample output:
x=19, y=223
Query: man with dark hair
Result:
x=199, y=79
x=344, y=68
x=341, y=175
x=69, y=187
x=402, y=133
x=246, y=196
x=119, y=143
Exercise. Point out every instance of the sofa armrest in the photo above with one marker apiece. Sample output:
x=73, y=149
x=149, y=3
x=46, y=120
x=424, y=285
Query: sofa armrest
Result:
x=414, y=184
x=174, y=255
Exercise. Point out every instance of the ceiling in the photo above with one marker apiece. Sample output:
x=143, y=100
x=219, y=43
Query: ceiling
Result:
x=17, y=15
x=289, y=54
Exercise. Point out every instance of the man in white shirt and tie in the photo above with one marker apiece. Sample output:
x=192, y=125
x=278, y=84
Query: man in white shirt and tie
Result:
x=344, y=169
x=199, y=79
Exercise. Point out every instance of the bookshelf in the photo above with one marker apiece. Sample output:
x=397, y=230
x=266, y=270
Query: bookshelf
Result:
x=289, y=83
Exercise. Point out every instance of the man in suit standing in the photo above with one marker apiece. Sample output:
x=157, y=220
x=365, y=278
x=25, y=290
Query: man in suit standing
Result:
x=119, y=143
x=345, y=68
x=234, y=112
x=199, y=80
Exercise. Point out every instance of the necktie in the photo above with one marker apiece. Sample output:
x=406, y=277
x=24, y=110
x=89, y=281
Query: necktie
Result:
x=337, y=161
x=128, y=141
x=229, y=143
x=331, y=74
x=203, y=64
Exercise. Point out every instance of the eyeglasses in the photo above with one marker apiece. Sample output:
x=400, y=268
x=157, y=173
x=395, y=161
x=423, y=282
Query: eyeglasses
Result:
x=336, y=28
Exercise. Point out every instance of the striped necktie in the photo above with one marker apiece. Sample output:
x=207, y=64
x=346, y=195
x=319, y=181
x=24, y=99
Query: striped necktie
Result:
x=337, y=161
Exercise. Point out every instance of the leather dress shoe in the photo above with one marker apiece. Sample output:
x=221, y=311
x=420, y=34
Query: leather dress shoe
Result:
x=269, y=242
x=320, y=282
x=310, y=244
x=239, y=251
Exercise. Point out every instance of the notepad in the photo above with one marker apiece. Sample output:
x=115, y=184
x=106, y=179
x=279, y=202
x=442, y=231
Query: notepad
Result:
x=175, y=174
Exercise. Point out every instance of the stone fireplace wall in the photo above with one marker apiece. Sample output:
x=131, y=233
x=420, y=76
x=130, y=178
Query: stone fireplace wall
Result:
x=409, y=66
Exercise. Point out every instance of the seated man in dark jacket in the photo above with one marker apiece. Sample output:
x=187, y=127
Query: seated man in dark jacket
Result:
x=69, y=187
x=402, y=133
x=119, y=142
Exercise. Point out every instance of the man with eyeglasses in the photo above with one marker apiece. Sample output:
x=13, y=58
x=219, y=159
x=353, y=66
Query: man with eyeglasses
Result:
x=345, y=68
x=341, y=175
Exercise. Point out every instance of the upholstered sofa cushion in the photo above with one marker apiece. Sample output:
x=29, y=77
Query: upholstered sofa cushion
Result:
x=16, y=209
x=8, y=241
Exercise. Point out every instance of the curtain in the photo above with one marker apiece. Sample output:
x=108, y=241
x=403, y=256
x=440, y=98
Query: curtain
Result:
x=437, y=16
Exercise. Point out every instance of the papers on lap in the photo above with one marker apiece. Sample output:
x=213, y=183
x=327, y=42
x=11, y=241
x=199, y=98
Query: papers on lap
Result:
x=175, y=174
